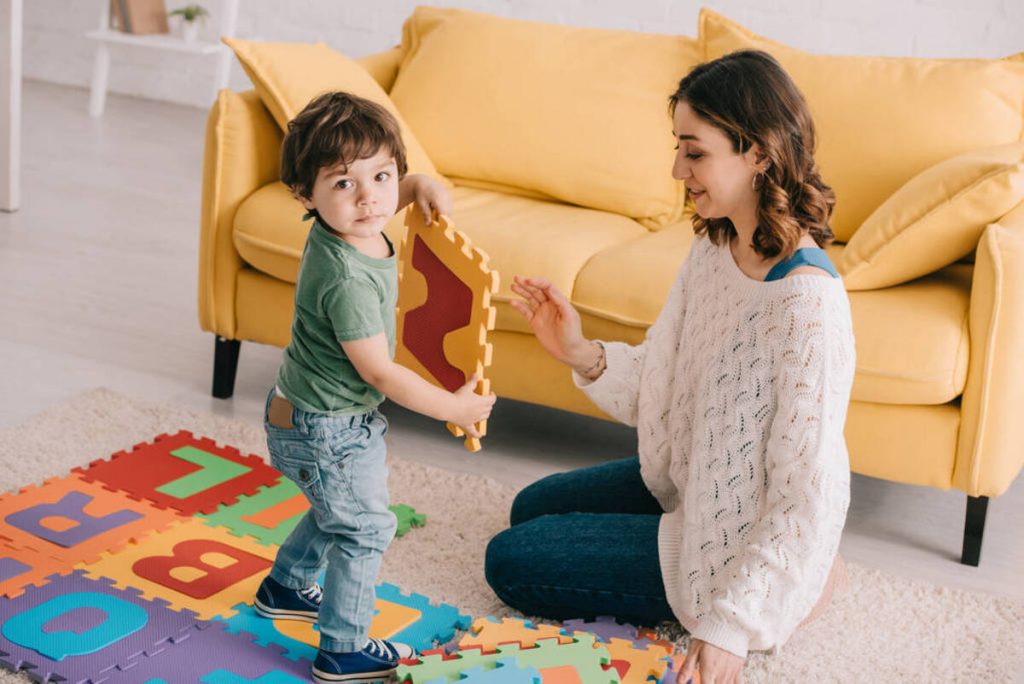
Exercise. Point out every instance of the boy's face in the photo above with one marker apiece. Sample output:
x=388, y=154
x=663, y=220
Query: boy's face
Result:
x=358, y=201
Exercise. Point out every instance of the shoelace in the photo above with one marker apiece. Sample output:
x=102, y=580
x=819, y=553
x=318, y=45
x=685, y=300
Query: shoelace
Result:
x=313, y=593
x=379, y=648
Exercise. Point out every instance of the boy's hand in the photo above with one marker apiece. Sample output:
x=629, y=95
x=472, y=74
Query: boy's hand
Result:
x=430, y=196
x=471, y=408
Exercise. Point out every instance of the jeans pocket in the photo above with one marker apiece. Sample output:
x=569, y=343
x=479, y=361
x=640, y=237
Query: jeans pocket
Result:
x=296, y=461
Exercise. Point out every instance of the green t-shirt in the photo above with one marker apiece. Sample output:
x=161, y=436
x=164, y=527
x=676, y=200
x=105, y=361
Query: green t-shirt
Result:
x=341, y=295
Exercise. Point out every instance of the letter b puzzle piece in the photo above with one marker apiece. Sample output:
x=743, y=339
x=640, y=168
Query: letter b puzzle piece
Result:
x=444, y=308
x=189, y=474
x=73, y=521
x=191, y=566
x=77, y=628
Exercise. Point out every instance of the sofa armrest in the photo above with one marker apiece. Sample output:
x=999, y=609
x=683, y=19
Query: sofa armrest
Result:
x=990, y=452
x=242, y=153
x=383, y=66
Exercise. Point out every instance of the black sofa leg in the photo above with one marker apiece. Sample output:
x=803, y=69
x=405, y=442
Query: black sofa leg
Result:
x=974, y=528
x=225, y=363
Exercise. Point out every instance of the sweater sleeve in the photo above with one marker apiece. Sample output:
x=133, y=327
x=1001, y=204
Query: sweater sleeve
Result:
x=780, y=573
x=617, y=390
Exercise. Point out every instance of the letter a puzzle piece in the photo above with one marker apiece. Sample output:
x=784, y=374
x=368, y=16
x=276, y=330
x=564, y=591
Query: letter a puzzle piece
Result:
x=444, y=308
x=73, y=521
x=191, y=566
x=76, y=629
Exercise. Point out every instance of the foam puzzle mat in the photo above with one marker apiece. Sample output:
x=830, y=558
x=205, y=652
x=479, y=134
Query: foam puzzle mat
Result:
x=141, y=568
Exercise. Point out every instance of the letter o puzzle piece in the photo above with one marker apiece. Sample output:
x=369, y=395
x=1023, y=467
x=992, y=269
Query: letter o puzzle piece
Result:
x=75, y=627
x=444, y=308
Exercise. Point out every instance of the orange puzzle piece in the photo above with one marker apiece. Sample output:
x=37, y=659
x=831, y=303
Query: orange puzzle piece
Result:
x=444, y=308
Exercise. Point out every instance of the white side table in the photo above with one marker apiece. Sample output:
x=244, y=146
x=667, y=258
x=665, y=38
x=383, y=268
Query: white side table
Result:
x=107, y=37
x=10, y=104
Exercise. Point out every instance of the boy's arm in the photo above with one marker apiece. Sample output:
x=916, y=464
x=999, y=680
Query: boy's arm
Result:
x=432, y=197
x=373, y=362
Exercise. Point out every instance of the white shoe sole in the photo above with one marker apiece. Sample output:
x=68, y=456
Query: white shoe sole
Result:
x=280, y=614
x=382, y=677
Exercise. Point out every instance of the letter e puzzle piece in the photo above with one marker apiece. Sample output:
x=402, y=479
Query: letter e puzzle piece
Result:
x=444, y=308
x=189, y=474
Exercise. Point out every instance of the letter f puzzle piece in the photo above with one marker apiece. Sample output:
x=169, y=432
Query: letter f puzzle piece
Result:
x=444, y=308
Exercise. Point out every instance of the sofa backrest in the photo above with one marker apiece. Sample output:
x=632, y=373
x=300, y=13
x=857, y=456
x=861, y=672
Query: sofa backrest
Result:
x=574, y=114
x=883, y=120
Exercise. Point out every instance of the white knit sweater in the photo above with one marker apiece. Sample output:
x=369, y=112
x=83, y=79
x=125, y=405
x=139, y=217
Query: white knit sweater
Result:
x=739, y=395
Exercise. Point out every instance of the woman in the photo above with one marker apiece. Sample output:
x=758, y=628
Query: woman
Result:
x=730, y=519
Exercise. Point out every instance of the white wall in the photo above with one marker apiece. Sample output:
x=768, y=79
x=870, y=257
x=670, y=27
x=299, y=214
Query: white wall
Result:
x=56, y=50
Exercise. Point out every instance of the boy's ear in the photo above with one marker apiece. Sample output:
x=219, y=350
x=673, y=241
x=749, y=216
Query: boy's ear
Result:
x=306, y=201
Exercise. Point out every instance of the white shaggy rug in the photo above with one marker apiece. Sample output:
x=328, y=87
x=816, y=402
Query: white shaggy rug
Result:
x=884, y=629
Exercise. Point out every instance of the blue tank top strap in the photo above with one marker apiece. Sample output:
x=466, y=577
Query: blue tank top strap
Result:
x=805, y=256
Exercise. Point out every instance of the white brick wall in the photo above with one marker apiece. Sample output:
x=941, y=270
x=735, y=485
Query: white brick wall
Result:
x=56, y=50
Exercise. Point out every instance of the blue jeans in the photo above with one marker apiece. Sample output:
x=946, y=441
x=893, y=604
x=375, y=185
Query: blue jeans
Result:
x=582, y=544
x=338, y=463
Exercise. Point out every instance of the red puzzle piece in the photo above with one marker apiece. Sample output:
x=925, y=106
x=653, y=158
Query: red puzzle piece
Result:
x=147, y=468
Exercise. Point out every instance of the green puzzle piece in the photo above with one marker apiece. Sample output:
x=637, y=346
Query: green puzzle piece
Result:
x=231, y=516
x=214, y=471
x=579, y=654
x=407, y=518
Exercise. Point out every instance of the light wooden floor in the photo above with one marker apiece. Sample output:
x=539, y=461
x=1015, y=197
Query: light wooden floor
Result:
x=98, y=288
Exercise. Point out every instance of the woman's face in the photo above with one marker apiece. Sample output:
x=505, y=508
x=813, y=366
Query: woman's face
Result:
x=717, y=178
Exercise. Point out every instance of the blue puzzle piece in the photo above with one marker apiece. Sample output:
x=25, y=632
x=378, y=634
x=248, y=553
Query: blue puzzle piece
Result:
x=246, y=619
x=437, y=624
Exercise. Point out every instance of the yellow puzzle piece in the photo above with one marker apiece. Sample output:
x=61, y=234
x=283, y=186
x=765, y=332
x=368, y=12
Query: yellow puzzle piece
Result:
x=444, y=308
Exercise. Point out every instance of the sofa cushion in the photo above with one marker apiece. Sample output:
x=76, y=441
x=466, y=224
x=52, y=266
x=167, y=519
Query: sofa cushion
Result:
x=935, y=219
x=288, y=75
x=883, y=120
x=521, y=235
x=912, y=341
x=576, y=114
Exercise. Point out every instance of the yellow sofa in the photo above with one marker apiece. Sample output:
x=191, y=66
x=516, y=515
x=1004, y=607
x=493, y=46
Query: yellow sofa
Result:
x=556, y=142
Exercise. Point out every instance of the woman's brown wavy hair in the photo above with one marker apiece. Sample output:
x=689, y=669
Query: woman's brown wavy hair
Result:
x=749, y=96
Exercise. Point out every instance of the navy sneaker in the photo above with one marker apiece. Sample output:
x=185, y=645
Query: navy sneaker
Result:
x=278, y=602
x=375, y=663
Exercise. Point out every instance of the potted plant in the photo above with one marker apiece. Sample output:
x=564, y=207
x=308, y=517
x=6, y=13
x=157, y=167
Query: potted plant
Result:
x=191, y=17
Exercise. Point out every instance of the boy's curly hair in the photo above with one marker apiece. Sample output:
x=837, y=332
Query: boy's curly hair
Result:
x=749, y=96
x=336, y=128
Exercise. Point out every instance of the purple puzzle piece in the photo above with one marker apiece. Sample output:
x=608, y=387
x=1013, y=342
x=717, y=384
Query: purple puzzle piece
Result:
x=214, y=656
x=71, y=506
x=604, y=627
x=75, y=628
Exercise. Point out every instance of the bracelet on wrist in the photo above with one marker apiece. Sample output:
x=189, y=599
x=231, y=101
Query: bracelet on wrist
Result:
x=600, y=360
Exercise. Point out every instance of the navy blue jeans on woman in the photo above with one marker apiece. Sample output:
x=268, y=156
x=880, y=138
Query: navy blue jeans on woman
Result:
x=582, y=544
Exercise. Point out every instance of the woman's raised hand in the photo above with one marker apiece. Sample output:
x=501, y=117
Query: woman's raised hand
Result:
x=552, y=318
